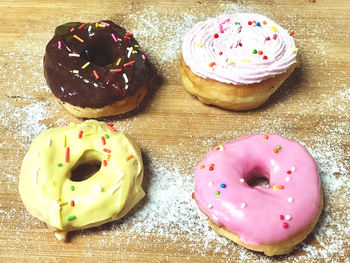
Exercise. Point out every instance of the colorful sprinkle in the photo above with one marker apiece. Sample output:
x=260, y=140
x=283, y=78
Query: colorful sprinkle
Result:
x=129, y=63
x=130, y=49
x=258, y=24
x=69, y=218
x=281, y=187
x=223, y=185
x=245, y=60
x=264, y=57
x=59, y=164
x=288, y=217
x=114, y=38
x=243, y=205
x=255, y=51
x=287, y=178
x=95, y=74
x=75, y=71
x=292, y=169
x=72, y=188
x=266, y=137
x=281, y=217
x=80, y=134
x=143, y=57
x=119, y=178
x=118, y=62
x=74, y=55
x=210, y=184
x=211, y=168
x=285, y=224
x=289, y=172
x=249, y=23
x=275, y=150
x=125, y=78
x=106, y=150
x=114, y=189
x=99, y=188
x=103, y=140
x=81, y=26
x=295, y=50
x=115, y=70
x=48, y=143
x=202, y=167
x=59, y=45
x=229, y=62
x=242, y=180
x=104, y=23
x=72, y=203
x=268, y=38
x=212, y=64
x=220, y=25
x=217, y=192
x=85, y=65
x=129, y=157
x=274, y=28
x=274, y=187
x=104, y=163
x=274, y=36
x=108, y=157
x=264, y=22
x=210, y=205
x=72, y=29
x=67, y=155
x=199, y=44
x=292, y=33
x=290, y=199
x=216, y=35
x=106, y=136
x=278, y=147
x=78, y=38
x=260, y=52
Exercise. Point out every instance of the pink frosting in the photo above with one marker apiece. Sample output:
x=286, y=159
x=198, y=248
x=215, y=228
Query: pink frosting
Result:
x=232, y=49
x=259, y=215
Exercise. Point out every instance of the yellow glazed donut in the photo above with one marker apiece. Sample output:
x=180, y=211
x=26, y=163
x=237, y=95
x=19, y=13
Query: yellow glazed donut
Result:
x=51, y=194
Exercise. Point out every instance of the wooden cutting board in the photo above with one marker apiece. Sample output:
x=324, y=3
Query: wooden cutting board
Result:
x=175, y=130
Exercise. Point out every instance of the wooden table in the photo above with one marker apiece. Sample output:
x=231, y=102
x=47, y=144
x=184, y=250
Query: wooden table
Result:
x=175, y=130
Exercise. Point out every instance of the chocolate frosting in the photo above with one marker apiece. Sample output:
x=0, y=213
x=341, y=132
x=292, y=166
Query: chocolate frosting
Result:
x=102, y=44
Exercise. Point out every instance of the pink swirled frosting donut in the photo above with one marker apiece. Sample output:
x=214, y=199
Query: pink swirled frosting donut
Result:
x=260, y=215
x=240, y=49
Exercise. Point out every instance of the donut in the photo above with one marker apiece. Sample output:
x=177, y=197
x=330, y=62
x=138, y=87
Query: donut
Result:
x=269, y=218
x=53, y=190
x=236, y=61
x=96, y=69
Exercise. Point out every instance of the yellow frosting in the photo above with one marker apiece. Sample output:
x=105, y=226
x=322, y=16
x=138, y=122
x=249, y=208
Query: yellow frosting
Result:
x=47, y=190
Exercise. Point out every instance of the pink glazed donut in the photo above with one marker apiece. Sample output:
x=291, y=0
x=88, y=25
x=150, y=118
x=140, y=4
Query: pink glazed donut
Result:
x=270, y=219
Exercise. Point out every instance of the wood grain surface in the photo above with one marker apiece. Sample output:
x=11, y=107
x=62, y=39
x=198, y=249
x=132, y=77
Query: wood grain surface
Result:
x=175, y=130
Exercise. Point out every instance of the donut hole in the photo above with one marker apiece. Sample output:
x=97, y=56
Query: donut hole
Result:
x=85, y=170
x=98, y=53
x=258, y=178
x=88, y=165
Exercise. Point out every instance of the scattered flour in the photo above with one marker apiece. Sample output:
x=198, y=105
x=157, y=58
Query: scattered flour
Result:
x=168, y=212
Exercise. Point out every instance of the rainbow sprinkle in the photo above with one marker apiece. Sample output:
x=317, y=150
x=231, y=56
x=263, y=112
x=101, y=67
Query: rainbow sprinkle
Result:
x=78, y=38
x=114, y=38
x=85, y=65
x=59, y=45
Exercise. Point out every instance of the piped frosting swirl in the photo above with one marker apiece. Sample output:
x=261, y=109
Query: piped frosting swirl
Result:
x=240, y=48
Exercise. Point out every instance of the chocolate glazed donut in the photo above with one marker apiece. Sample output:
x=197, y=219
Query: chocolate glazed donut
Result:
x=96, y=69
